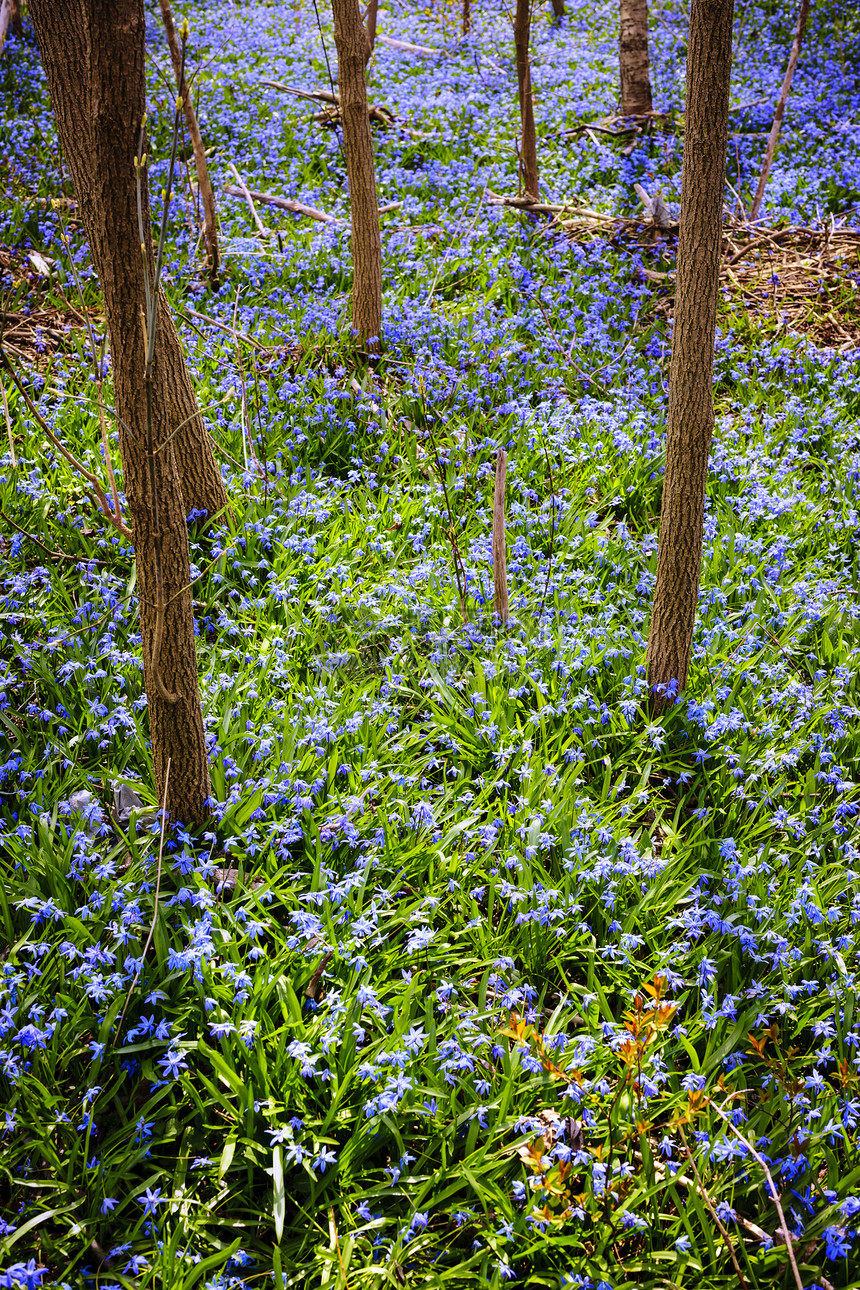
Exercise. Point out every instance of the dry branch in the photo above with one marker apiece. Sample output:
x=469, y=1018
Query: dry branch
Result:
x=297, y=208
x=243, y=189
x=204, y=185
x=283, y=203
x=78, y=466
x=406, y=46
x=780, y=108
x=382, y=115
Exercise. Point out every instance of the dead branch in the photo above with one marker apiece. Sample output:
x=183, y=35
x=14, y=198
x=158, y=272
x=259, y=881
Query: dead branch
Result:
x=780, y=108
x=283, y=203
x=406, y=46
x=261, y=228
x=382, y=115
x=79, y=467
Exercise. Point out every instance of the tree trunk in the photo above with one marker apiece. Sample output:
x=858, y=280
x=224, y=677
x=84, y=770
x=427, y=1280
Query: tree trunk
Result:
x=207, y=197
x=528, y=143
x=351, y=40
x=467, y=17
x=16, y=19
x=558, y=8
x=370, y=26
x=7, y=14
x=93, y=53
x=780, y=108
x=202, y=486
x=633, y=58
x=691, y=403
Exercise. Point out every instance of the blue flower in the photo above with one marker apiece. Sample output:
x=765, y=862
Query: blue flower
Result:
x=150, y=1200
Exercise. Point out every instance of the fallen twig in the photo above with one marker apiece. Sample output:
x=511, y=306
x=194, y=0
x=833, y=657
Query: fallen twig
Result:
x=283, y=203
x=774, y=1194
x=405, y=45
x=58, y=555
x=92, y=480
x=213, y=322
x=382, y=115
x=298, y=208
x=316, y=96
x=261, y=228
x=714, y=1215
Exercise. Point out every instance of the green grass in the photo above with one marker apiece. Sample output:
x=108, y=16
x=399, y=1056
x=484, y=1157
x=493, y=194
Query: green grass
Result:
x=441, y=852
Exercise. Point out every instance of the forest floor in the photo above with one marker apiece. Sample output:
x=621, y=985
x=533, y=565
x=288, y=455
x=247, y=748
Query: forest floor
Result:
x=478, y=975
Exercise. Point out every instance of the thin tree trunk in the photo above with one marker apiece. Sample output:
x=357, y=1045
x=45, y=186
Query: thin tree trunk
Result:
x=691, y=403
x=633, y=58
x=203, y=488
x=93, y=54
x=467, y=17
x=5, y=19
x=780, y=108
x=351, y=41
x=558, y=8
x=528, y=143
x=207, y=197
x=370, y=26
x=16, y=19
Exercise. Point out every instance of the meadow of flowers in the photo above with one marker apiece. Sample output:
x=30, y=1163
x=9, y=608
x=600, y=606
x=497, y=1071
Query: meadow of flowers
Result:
x=478, y=975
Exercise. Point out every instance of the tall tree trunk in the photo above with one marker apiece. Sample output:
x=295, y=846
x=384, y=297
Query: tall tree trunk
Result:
x=528, y=143
x=780, y=108
x=7, y=15
x=558, y=8
x=351, y=40
x=207, y=197
x=467, y=17
x=202, y=486
x=370, y=25
x=93, y=53
x=633, y=58
x=691, y=403
x=16, y=19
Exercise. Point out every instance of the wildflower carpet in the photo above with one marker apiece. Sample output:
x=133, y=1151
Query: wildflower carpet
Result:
x=478, y=975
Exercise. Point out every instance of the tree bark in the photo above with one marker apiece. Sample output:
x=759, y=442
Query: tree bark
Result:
x=691, y=404
x=780, y=108
x=558, y=8
x=207, y=197
x=351, y=41
x=7, y=15
x=370, y=26
x=633, y=58
x=16, y=19
x=467, y=17
x=202, y=486
x=93, y=53
x=528, y=143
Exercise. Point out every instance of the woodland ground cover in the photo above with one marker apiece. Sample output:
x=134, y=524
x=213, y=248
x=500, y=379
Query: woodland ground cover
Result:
x=474, y=956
